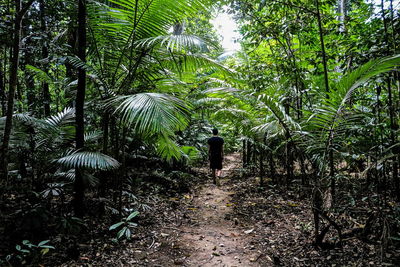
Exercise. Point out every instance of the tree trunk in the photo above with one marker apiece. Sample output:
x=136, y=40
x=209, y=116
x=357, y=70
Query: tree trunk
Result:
x=289, y=162
x=104, y=175
x=248, y=152
x=20, y=12
x=379, y=135
x=272, y=171
x=288, y=150
x=29, y=79
x=2, y=91
x=392, y=117
x=321, y=38
x=45, y=54
x=244, y=153
x=342, y=13
x=105, y=126
x=332, y=174
x=79, y=108
x=261, y=163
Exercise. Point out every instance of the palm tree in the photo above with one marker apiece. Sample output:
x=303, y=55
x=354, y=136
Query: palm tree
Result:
x=136, y=54
x=327, y=129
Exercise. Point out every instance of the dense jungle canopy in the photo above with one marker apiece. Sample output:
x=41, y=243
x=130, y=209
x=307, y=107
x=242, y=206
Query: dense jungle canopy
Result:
x=106, y=107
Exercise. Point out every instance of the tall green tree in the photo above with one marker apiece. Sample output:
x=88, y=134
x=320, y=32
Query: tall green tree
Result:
x=20, y=11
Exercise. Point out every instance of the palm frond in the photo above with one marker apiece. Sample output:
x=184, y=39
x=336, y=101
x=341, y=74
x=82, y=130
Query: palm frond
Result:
x=152, y=112
x=175, y=43
x=40, y=74
x=149, y=18
x=207, y=101
x=63, y=117
x=220, y=90
x=88, y=160
x=361, y=75
x=330, y=116
x=271, y=128
x=92, y=136
x=167, y=148
x=26, y=119
x=232, y=113
x=190, y=152
x=69, y=174
x=278, y=112
x=331, y=111
x=94, y=74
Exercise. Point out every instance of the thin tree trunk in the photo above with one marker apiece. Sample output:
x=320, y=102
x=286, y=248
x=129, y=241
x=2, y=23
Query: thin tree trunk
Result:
x=381, y=173
x=32, y=146
x=261, y=162
x=289, y=161
x=79, y=108
x=2, y=91
x=29, y=79
x=342, y=10
x=122, y=170
x=321, y=38
x=20, y=12
x=45, y=54
x=104, y=174
x=272, y=171
x=30, y=94
x=288, y=151
x=393, y=124
x=248, y=153
x=244, y=153
x=304, y=180
x=106, y=122
x=332, y=174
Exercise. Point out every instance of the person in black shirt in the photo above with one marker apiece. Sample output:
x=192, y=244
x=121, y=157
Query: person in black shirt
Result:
x=216, y=154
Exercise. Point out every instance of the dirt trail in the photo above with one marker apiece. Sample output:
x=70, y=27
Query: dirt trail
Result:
x=213, y=237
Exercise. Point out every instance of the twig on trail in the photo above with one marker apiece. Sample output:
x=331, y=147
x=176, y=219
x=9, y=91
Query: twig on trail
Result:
x=212, y=256
x=173, y=228
x=259, y=257
x=152, y=244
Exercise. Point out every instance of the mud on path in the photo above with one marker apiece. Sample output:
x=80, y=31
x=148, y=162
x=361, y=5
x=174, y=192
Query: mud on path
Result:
x=212, y=236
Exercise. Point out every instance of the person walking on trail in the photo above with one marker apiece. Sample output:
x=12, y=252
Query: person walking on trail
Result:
x=216, y=154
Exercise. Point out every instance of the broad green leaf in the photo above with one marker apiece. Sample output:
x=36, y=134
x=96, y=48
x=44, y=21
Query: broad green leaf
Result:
x=114, y=226
x=132, y=215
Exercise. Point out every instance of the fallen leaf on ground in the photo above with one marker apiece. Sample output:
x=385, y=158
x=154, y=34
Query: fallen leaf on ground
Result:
x=248, y=231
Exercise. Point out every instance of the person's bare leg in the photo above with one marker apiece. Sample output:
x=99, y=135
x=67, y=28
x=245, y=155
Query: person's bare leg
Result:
x=218, y=174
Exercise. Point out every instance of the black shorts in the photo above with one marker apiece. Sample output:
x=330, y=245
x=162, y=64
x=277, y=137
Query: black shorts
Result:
x=216, y=162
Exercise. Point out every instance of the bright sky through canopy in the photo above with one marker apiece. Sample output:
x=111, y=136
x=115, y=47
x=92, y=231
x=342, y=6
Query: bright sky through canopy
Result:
x=228, y=29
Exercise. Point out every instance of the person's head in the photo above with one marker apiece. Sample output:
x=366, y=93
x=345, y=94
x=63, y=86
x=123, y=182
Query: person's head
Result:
x=215, y=131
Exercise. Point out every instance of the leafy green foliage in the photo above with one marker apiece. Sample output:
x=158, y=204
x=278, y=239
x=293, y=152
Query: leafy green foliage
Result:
x=89, y=160
x=32, y=251
x=152, y=112
x=70, y=225
x=331, y=119
x=125, y=226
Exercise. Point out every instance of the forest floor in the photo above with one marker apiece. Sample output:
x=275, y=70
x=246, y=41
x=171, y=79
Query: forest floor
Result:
x=211, y=236
x=237, y=223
